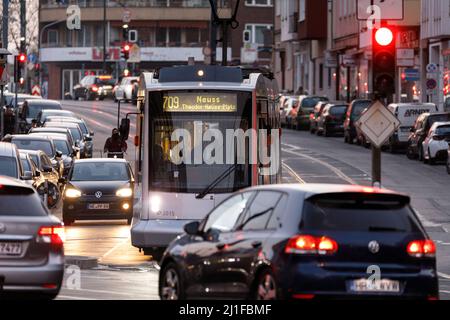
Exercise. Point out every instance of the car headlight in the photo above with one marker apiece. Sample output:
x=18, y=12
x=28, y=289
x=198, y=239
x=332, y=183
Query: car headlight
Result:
x=73, y=193
x=124, y=193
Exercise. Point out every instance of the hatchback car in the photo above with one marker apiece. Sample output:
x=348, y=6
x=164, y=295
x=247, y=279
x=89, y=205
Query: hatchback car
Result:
x=331, y=120
x=303, y=242
x=10, y=163
x=125, y=89
x=354, y=111
x=31, y=243
x=420, y=131
x=314, y=117
x=306, y=106
x=435, y=145
x=92, y=87
x=99, y=189
x=75, y=130
x=42, y=115
x=31, y=108
x=58, y=130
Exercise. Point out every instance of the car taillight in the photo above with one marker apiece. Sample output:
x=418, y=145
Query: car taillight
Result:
x=94, y=88
x=311, y=116
x=54, y=235
x=306, y=244
x=421, y=248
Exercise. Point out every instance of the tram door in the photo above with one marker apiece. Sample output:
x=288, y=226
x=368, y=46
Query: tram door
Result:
x=263, y=124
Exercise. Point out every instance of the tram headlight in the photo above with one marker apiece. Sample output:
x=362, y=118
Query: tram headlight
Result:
x=155, y=204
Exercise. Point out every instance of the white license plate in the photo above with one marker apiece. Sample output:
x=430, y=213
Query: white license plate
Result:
x=384, y=285
x=10, y=248
x=98, y=206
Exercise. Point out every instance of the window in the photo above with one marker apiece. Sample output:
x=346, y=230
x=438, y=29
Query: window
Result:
x=52, y=37
x=302, y=10
x=321, y=76
x=259, y=3
x=260, y=33
x=225, y=216
x=275, y=218
x=175, y=37
x=261, y=210
x=161, y=37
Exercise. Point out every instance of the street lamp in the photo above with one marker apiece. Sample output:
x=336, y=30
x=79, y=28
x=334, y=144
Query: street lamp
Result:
x=224, y=22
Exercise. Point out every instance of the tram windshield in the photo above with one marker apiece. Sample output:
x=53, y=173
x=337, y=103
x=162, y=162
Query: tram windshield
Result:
x=190, y=150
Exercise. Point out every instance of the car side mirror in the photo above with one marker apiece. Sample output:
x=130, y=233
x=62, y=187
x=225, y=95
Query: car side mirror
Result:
x=87, y=138
x=125, y=128
x=91, y=133
x=37, y=173
x=27, y=176
x=58, y=154
x=192, y=228
x=47, y=168
x=62, y=181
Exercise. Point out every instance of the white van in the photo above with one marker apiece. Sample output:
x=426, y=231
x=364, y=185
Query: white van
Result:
x=407, y=114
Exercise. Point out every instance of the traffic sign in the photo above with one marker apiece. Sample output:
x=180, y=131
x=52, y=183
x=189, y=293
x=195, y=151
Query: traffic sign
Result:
x=36, y=90
x=378, y=124
x=135, y=54
x=432, y=68
x=126, y=16
x=412, y=74
x=431, y=84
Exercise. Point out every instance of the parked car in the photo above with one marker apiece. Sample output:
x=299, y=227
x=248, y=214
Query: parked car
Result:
x=314, y=117
x=75, y=130
x=92, y=87
x=447, y=104
x=420, y=131
x=125, y=88
x=297, y=242
x=31, y=169
x=32, y=246
x=331, y=120
x=306, y=106
x=407, y=114
x=435, y=145
x=286, y=109
x=10, y=164
x=99, y=189
x=30, y=142
x=63, y=131
x=353, y=113
x=10, y=99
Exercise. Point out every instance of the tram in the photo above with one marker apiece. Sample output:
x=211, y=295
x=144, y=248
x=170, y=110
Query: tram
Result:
x=201, y=130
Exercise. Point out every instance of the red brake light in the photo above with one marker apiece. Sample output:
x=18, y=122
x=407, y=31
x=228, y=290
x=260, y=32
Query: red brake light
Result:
x=421, y=248
x=305, y=244
x=94, y=88
x=22, y=57
x=54, y=235
x=311, y=116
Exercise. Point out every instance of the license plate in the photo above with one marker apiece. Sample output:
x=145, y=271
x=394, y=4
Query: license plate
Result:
x=10, y=248
x=98, y=206
x=384, y=285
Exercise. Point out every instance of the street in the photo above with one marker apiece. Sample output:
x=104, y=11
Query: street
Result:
x=124, y=273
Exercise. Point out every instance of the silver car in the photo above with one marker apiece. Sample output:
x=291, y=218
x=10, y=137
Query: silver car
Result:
x=31, y=243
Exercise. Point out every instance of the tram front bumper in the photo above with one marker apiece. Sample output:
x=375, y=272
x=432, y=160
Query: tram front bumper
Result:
x=155, y=233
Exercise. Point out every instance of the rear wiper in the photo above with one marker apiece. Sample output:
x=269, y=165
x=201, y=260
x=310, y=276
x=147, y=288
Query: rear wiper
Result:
x=385, y=229
x=213, y=184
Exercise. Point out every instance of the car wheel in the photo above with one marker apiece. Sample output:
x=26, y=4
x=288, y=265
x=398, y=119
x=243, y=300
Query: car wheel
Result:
x=410, y=154
x=391, y=148
x=265, y=287
x=298, y=126
x=431, y=161
x=170, y=284
x=325, y=132
x=350, y=139
x=420, y=152
x=448, y=167
x=129, y=220
x=345, y=137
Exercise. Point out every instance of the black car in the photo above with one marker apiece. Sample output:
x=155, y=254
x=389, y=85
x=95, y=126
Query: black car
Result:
x=99, y=189
x=42, y=115
x=92, y=87
x=306, y=106
x=331, y=121
x=354, y=111
x=47, y=173
x=420, y=131
x=314, y=117
x=58, y=130
x=31, y=108
x=303, y=242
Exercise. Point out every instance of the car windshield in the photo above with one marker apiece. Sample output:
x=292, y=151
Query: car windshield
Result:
x=35, y=145
x=61, y=145
x=100, y=171
x=34, y=109
x=357, y=213
x=8, y=167
x=338, y=111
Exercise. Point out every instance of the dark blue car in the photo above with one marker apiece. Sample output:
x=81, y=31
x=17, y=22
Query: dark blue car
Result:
x=303, y=242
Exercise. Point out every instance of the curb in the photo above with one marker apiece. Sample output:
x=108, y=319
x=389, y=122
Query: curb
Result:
x=82, y=262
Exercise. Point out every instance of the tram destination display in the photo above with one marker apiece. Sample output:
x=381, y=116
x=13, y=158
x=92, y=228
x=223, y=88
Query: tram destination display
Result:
x=199, y=102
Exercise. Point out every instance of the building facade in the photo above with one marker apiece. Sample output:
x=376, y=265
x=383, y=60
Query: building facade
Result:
x=168, y=32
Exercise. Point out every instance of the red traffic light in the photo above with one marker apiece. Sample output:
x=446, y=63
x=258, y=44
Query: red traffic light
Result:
x=384, y=36
x=22, y=57
x=126, y=47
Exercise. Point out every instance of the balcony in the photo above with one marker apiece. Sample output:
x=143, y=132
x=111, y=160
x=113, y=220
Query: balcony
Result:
x=51, y=4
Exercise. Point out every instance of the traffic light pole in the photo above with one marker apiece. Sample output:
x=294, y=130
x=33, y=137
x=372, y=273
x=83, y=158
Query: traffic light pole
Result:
x=376, y=166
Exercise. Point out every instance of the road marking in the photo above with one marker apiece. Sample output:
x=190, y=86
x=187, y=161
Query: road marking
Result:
x=115, y=247
x=443, y=275
x=338, y=172
x=116, y=293
x=293, y=173
x=74, y=298
x=444, y=291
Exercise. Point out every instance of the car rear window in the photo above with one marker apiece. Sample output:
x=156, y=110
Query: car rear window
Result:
x=34, y=145
x=8, y=167
x=443, y=130
x=310, y=103
x=438, y=118
x=34, y=109
x=358, y=212
x=338, y=110
x=20, y=202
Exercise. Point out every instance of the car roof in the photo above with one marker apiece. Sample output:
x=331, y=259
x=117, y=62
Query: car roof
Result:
x=10, y=182
x=58, y=124
x=409, y=104
x=314, y=189
x=442, y=123
x=33, y=152
x=53, y=129
x=43, y=101
x=64, y=119
x=28, y=137
x=100, y=160
x=50, y=135
x=7, y=149
x=57, y=110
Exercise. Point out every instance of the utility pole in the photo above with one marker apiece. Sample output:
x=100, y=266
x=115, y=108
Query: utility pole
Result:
x=104, y=36
x=5, y=24
x=213, y=33
x=23, y=32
